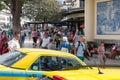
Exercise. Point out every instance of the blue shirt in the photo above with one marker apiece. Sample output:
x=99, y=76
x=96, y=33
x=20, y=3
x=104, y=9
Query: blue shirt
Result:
x=81, y=48
x=65, y=45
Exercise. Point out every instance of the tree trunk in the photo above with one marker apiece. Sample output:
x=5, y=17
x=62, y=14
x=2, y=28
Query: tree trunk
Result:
x=16, y=10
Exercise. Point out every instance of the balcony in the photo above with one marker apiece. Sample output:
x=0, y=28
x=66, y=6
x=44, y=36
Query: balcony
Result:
x=77, y=6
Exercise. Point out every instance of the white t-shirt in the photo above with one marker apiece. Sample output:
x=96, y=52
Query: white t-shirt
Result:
x=45, y=42
x=22, y=33
x=13, y=44
x=42, y=35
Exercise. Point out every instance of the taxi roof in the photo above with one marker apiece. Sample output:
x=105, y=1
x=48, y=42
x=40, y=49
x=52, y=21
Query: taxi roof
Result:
x=38, y=51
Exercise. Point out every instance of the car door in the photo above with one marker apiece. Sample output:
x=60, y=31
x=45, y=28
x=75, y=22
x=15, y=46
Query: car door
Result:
x=34, y=72
x=33, y=75
x=44, y=63
x=12, y=74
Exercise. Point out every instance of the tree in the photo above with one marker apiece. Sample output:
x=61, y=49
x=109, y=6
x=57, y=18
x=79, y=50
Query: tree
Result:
x=34, y=9
x=2, y=6
x=15, y=7
x=42, y=10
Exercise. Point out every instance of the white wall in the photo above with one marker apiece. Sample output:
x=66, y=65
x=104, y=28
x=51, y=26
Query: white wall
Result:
x=89, y=20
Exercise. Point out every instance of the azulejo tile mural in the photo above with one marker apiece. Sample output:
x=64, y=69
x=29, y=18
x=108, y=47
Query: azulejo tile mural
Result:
x=108, y=17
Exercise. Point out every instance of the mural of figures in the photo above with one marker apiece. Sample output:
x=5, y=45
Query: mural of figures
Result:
x=108, y=17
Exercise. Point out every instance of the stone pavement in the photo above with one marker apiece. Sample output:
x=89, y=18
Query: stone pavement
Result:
x=91, y=62
x=109, y=62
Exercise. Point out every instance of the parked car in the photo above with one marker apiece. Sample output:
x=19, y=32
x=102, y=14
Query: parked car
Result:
x=42, y=64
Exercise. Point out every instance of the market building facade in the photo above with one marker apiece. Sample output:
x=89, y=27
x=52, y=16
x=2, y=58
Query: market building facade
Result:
x=102, y=21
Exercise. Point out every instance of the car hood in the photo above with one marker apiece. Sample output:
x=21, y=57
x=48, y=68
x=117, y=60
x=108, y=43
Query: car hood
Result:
x=87, y=74
x=1, y=66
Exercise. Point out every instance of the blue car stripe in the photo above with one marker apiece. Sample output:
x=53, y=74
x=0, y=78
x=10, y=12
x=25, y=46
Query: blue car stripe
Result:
x=19, y=74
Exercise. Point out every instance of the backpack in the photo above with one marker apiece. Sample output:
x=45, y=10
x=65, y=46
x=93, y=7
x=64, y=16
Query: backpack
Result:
x=82, y=47
x=79, y=45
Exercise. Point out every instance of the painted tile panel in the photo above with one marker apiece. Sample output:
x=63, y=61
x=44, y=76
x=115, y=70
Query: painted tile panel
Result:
x=108, y=17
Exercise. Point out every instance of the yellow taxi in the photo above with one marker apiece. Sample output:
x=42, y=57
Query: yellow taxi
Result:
x=42, y=64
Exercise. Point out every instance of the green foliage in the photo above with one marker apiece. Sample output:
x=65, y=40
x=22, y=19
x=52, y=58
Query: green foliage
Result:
x=2, y=4
x=39, y=10
x=42, y=10
x=5, y=4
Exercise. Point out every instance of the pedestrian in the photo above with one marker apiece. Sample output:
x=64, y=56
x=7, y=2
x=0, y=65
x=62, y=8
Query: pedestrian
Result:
x=76, y=37
x=65, y=45
x=45, y=41
x=114, y=51
x=101, y=54
x=57, y=39
x=9, y=34
x=51, y=45
x=41, y=37
x=23, y=35
x=4, y=43
x=14, y=43
x=29, y=33
x=87, y=53
x=79, y=49
x=35, y=37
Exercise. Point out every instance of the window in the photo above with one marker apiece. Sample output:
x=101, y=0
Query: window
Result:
x=82, y=4
x=69, y=63
x=45, y=63
x=53, y=63
x=10, y=58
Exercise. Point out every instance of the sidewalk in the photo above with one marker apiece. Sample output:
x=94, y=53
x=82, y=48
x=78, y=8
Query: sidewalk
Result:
x=109, y=62
x=28, y=43
x=91, y=62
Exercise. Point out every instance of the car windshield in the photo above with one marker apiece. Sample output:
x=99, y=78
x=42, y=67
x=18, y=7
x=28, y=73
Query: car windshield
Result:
x=10, y=58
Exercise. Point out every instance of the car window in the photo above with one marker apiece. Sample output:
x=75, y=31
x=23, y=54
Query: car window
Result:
x=45, y=63
x=35, y=66
x=49, y=63
x=10, y=58
x=52, y=63
x=69, y=62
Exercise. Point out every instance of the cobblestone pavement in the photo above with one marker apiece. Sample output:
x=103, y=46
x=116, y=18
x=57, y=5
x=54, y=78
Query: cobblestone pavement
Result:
x=91, y=62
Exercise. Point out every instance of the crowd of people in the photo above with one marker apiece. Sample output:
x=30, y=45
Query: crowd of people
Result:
x=62, y=40
x=52, y=38
x=7, y=44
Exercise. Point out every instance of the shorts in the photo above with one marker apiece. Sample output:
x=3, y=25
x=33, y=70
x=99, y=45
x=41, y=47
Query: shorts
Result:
x=81, y=58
